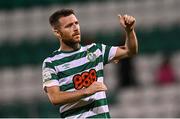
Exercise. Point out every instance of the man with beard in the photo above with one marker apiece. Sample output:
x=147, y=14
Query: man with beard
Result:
x=73, y=74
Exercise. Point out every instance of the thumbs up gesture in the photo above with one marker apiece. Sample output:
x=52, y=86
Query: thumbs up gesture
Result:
x=127, y=22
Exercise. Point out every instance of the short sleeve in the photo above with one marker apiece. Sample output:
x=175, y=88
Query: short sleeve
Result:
x=108, y=52
x=49, y=74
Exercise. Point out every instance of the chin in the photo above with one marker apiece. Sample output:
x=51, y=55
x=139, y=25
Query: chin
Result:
x=77, y=39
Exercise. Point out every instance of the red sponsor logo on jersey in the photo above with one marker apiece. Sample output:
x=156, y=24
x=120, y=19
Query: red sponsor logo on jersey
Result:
x=84, y=79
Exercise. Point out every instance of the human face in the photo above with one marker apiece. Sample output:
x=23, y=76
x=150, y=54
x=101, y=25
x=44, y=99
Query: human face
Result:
x=70, y=30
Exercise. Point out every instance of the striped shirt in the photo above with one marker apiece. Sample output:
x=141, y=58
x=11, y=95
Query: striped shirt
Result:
x=74, y=70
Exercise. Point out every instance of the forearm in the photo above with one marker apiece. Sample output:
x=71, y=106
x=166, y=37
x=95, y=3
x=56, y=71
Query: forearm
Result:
x=131, y=42
x=58, y=97
x=61, y=97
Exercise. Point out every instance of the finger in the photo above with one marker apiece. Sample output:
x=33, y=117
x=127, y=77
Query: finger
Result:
x=104, y=86
x=119, y=15
x=130, y=20
x=103, y=89
x=133, y=23
x=125, y=17
x=101, y=86
x=133, y=20
x=126, y=20
x=121, y=19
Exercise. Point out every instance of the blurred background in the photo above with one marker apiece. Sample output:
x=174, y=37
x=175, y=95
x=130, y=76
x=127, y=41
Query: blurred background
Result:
x=144, y=86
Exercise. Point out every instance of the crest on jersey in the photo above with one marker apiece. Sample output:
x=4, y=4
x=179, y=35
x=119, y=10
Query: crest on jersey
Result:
x=66, y=66
x=46, y=74
x=91, y=56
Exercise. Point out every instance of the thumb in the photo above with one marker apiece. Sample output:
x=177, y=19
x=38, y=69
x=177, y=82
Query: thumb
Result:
x=119, y=15
x=121, y=19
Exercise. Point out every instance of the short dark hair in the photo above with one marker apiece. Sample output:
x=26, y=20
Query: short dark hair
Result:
x=54, y=18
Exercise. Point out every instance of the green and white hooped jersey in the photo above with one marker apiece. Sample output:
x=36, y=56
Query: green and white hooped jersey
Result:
x=76, y=70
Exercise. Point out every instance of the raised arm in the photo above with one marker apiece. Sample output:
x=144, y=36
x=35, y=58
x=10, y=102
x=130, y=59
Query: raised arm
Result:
x=130, y=47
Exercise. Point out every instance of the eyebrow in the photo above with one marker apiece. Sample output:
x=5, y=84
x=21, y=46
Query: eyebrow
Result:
x=70, y=24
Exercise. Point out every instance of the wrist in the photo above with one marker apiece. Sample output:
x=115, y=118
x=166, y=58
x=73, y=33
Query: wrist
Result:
x=128, y=31
x=85, y=92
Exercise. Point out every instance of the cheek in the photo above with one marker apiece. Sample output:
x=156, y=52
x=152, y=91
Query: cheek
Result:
x=79, y=27
x=66, y=34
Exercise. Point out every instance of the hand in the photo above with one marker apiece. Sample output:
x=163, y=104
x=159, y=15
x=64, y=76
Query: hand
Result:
x=127, y=22
x=95, y=87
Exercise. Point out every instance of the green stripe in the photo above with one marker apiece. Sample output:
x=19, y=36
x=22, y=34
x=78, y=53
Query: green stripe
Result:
x=68, y=59
x=78, y=69
x=99, y=46
x=67, y=87
x=54, y=76
x=106, y=54
x=73, y=57
x=79, y=110
x=71, y=85
x=103, y=115
x=49, y=65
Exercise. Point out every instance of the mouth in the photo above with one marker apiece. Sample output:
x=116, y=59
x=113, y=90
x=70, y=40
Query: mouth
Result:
x=75, y=34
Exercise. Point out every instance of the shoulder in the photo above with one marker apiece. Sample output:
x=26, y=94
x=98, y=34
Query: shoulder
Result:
x=51, y=56
x=94, y=45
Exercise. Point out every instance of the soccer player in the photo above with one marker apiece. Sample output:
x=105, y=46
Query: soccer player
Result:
x=73, y=75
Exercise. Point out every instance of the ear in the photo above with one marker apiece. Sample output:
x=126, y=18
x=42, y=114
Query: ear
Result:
x=56, y=32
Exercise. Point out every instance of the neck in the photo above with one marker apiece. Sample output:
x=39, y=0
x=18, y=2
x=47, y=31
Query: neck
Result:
x=68, y=47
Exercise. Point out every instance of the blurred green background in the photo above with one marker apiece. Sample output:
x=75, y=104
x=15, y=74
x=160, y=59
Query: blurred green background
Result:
x=26, y=39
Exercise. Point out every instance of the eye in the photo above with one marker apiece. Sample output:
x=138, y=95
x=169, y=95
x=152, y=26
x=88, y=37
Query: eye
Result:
x=76, y=22
x=69, y=25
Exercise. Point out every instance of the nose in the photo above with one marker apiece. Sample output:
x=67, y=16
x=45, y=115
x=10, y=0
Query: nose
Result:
x=75, y=27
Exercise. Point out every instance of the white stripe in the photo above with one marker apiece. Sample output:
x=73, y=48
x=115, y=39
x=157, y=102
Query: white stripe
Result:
x=103, y=49
x=112, y=53
x=93, y=112
x=63, y=55
x=50, y=83
x=48, y=59
x=76, y=63
x=84, y=101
